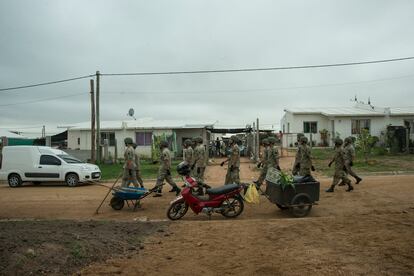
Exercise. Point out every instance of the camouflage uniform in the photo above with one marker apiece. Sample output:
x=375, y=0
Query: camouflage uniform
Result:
x=233, y=169
x=296, y=168
x=130, y=166
x=164, y=172
x=305, y=163
x=138, y=169
x=349, y=158
x=273, y=156
x=200, y=161
x=188, y=156
x=340, y=173
x=265, y=163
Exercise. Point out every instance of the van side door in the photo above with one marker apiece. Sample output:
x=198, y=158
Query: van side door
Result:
x=48, y=169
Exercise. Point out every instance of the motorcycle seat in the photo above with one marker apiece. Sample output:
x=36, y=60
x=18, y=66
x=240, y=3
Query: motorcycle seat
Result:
x=223, y=189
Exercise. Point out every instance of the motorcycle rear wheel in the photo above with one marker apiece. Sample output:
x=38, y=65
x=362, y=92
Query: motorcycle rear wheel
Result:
x=232, y=207
x=177, y=210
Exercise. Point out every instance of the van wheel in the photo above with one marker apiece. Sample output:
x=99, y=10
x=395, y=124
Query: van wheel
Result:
x=15, y=180
x=72, y=179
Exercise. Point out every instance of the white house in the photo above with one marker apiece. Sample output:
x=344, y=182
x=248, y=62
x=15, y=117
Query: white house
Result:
x=343, y=121
x=142, y=131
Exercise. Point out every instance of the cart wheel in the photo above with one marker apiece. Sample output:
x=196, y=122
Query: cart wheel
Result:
x=300, y=211
x=177, y=210
x=281, y=207
x=117, y=203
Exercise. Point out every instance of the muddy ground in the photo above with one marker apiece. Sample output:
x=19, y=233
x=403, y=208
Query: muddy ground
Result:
x=369, y=231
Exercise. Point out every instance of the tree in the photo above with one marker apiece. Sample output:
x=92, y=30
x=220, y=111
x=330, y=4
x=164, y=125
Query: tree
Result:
x=365, y=142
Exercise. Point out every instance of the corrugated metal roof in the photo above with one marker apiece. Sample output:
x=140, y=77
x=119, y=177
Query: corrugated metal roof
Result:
x=402, y=110
x=8, y=134
x=145, y=123
x=336, y=111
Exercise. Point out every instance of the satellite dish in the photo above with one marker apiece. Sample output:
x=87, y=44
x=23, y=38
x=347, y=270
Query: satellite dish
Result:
x=131, y=113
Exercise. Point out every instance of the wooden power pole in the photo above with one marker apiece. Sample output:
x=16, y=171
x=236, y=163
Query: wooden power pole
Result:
x=257, y=140
x=93, y=138
x=98, y=123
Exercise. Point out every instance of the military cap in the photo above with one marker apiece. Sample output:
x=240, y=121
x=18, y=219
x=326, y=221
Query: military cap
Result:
x=128, y=141
x=272, y=140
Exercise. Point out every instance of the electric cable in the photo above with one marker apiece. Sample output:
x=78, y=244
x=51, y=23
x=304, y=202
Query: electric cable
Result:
x=44, y=83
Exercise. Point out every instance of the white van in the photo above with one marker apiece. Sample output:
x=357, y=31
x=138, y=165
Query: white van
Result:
x=43, y=164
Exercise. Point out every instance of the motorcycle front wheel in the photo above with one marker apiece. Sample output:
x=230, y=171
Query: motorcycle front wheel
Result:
x=177, y=210
x=232, y=207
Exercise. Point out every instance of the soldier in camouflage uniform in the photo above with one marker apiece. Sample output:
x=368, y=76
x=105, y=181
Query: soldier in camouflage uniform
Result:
x=296, y=167
x=130, y=167
x=164, y=172
x=273, y=154
x=233, y=169
x=188, y=154
x=199, y=164
x=340, y=173
x=263, y=163
x=138, y=169
x=305, y=161
x=349, y=158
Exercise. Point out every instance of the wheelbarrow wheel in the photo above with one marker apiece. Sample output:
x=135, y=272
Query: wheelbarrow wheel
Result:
x=302, y=206
x=117, y=203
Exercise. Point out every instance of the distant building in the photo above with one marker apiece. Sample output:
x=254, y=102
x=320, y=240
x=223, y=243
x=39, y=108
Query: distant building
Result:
x=343, y=121
x=142, y=131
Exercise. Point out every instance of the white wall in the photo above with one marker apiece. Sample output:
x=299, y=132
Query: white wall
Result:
x=294, y=124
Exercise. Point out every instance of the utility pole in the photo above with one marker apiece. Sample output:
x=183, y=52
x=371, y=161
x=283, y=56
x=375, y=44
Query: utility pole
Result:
x=98, y=123
x=254, y=142
x=257, y=140
x=93, y=138
x=43, y=132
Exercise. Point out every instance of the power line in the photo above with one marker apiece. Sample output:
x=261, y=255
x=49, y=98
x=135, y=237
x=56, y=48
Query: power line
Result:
x=255, y=89
x=43, y=100
x=44, y=83
x=210, y=71
x=259, y=69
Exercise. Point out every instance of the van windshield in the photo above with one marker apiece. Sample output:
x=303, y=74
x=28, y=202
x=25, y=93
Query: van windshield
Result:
x=69, y=159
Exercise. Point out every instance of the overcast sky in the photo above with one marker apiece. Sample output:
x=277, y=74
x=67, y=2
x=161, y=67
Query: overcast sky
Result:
x=44, y=41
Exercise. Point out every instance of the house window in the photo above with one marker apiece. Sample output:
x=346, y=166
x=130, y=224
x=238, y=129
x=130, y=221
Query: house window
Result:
x=358, y=125
x=144, y=138
x=110, y=136
x=310, y=127
x=78, y=141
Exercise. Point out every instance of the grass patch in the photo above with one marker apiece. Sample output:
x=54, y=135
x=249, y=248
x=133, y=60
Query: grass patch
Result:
x=379, y=161
x=148, y=170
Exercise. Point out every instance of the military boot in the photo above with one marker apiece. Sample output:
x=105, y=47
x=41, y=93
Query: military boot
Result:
x=350, y=188
x=331, y=189
x=358, y=179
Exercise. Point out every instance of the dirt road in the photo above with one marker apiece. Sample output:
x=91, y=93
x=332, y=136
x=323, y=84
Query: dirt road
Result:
x=367, y=231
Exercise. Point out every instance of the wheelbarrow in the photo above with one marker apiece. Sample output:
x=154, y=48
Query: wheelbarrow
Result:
x=131, y=195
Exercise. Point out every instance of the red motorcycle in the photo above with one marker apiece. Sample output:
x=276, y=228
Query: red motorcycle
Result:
x=225, y=200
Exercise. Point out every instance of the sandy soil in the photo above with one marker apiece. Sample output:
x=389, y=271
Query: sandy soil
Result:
x=368, y=231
